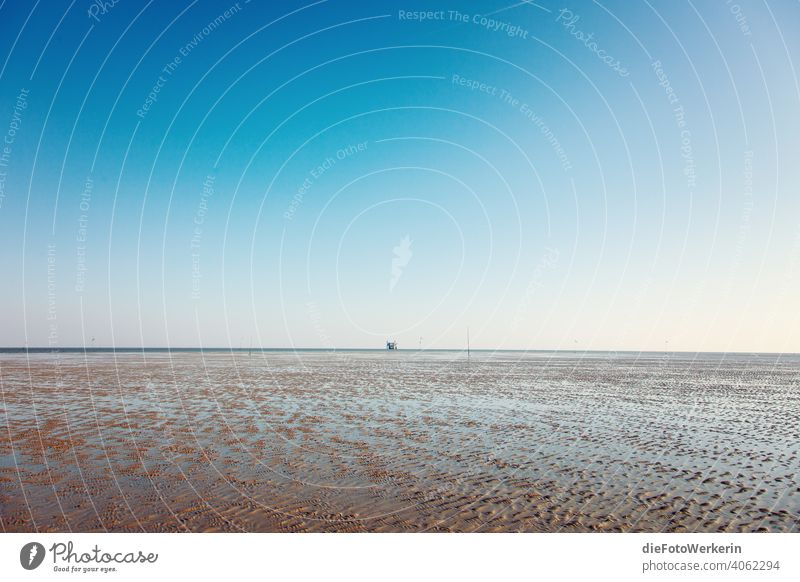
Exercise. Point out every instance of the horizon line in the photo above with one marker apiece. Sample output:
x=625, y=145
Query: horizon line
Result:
x=56, y=349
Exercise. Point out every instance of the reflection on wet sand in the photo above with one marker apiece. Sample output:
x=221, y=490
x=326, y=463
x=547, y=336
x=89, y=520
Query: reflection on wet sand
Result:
x=398, y=441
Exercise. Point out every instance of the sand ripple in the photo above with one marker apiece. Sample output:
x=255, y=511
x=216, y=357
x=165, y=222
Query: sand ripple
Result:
x=398, y=442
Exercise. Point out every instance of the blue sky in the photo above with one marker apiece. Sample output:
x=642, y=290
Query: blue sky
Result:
x=568, y=175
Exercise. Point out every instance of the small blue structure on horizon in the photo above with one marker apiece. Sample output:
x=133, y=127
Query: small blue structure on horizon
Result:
x=391, y=345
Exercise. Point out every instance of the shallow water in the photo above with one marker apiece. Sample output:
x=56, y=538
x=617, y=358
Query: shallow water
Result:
x=402, y=441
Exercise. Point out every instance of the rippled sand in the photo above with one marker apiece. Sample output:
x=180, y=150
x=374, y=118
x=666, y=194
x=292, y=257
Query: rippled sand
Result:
x=374, y=441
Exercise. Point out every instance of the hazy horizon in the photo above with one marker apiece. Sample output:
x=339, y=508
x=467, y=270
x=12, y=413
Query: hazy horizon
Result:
x=483, y=350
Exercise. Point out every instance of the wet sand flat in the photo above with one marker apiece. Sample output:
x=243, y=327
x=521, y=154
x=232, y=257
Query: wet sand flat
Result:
x=399, y=442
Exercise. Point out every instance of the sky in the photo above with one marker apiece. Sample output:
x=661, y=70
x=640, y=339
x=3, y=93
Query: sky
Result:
x=333, y=174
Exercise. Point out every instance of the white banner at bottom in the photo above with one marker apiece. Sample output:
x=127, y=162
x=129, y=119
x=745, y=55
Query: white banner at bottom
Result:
x=352, y=557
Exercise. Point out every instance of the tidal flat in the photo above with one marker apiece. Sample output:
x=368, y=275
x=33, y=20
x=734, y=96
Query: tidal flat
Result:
x=352, y=441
